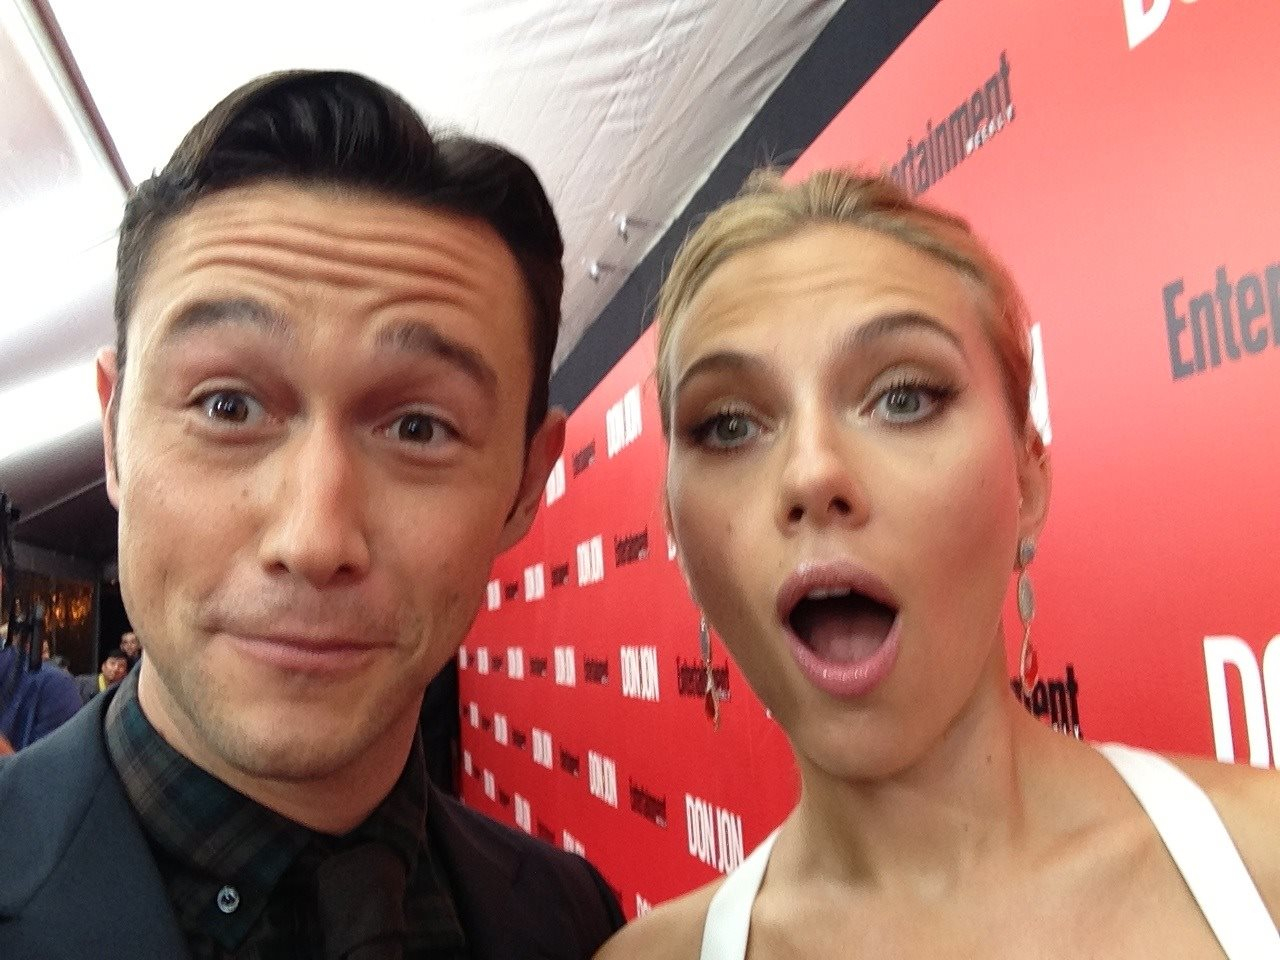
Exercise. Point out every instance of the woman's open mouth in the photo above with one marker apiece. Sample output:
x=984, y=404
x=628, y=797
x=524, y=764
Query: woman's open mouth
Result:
x=843, y=626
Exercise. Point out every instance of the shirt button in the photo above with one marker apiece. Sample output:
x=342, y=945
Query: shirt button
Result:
x=228, y=899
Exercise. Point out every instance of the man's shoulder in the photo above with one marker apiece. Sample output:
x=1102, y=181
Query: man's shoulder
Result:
x=512, y=850
x=533, y=890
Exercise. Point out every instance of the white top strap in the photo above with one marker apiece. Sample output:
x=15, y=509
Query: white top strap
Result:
x=1203, y=851
x=1184, y=817
x=724, y=935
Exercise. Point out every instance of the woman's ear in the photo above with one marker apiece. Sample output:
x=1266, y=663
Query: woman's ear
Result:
x=1035, y=481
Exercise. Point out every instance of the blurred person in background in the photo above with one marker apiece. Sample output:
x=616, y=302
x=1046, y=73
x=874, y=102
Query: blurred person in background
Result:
x=114, y=667
x=131, y=647
x=34, y=701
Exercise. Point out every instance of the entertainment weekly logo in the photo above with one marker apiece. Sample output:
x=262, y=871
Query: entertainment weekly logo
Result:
x=631, y=548
x=978, y=118
x=1235, y=318
x=1260, y=693
x=691, y=679
x=595, y=670
x=559, y=575
x=1057, y=698
x=649, y=805
x=584, y=458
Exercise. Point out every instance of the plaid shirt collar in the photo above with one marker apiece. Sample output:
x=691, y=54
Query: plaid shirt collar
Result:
x=213, y=837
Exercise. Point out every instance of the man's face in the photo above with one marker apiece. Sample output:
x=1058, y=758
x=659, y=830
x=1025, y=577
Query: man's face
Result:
x=114, y=669
x=129, y=644
x=320, y=449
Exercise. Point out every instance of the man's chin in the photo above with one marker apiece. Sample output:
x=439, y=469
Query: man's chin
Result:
x=284, y=740
x=283, y=754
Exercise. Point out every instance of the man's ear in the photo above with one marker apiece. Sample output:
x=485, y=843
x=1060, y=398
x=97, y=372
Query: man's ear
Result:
x=1035, y=481
x=545, y=448
x=109, y=400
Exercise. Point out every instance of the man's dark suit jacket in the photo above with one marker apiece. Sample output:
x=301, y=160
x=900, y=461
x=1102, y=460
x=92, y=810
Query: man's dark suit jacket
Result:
x=67, y=833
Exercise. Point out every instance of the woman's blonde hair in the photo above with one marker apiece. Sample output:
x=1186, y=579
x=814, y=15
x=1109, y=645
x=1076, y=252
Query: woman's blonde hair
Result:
x=768, y=210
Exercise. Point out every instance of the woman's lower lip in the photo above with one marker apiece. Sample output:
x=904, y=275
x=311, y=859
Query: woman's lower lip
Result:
x=298, y=658
x=847, y=680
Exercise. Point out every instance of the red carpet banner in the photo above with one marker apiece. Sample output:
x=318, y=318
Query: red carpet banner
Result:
x=1120, y=156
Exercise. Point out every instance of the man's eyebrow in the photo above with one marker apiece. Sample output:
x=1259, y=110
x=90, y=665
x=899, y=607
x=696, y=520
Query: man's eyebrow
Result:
x=420, y=338
x=242, y=311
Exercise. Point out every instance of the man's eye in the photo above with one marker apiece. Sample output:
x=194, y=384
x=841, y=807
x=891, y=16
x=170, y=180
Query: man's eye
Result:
x=421, y=428
x=231, y=406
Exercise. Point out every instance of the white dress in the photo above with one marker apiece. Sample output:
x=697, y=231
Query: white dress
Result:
x=1183, y=816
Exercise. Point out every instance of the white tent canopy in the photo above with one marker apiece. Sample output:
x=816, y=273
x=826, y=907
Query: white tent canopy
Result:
x=623, y=107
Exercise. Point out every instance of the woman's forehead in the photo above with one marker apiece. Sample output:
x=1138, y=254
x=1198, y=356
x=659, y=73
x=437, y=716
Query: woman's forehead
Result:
x=835, y=270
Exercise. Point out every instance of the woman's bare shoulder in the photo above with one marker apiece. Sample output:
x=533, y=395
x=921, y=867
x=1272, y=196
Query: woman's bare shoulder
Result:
x=673, y=929
x=1247, y=800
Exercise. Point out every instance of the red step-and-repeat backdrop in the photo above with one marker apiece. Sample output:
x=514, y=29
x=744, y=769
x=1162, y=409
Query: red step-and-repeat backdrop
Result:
x=1121, y=156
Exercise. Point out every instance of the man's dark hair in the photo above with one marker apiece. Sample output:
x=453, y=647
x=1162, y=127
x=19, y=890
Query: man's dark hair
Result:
x=329, y=128
x=115, y=654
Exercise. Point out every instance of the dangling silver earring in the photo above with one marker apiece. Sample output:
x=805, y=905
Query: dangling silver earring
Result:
x=1028, y=664
x=712, y=700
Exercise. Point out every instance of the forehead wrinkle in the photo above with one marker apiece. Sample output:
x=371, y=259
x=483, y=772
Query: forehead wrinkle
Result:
x=302, y=257
x=316, y=234
x=722, y=300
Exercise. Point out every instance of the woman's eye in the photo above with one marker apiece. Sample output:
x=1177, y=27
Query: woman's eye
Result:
x=724, y=431
x=231, y=406
x=421, y=428
x=910, y=402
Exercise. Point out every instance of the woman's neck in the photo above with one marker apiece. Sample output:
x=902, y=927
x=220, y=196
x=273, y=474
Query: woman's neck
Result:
x=975, y=799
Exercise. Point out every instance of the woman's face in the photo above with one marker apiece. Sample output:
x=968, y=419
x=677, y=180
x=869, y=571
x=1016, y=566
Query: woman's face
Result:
x=847, y=489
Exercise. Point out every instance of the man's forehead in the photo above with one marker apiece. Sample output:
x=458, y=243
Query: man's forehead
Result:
x=352, y=240
x=349, y=211
x=288, y=242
